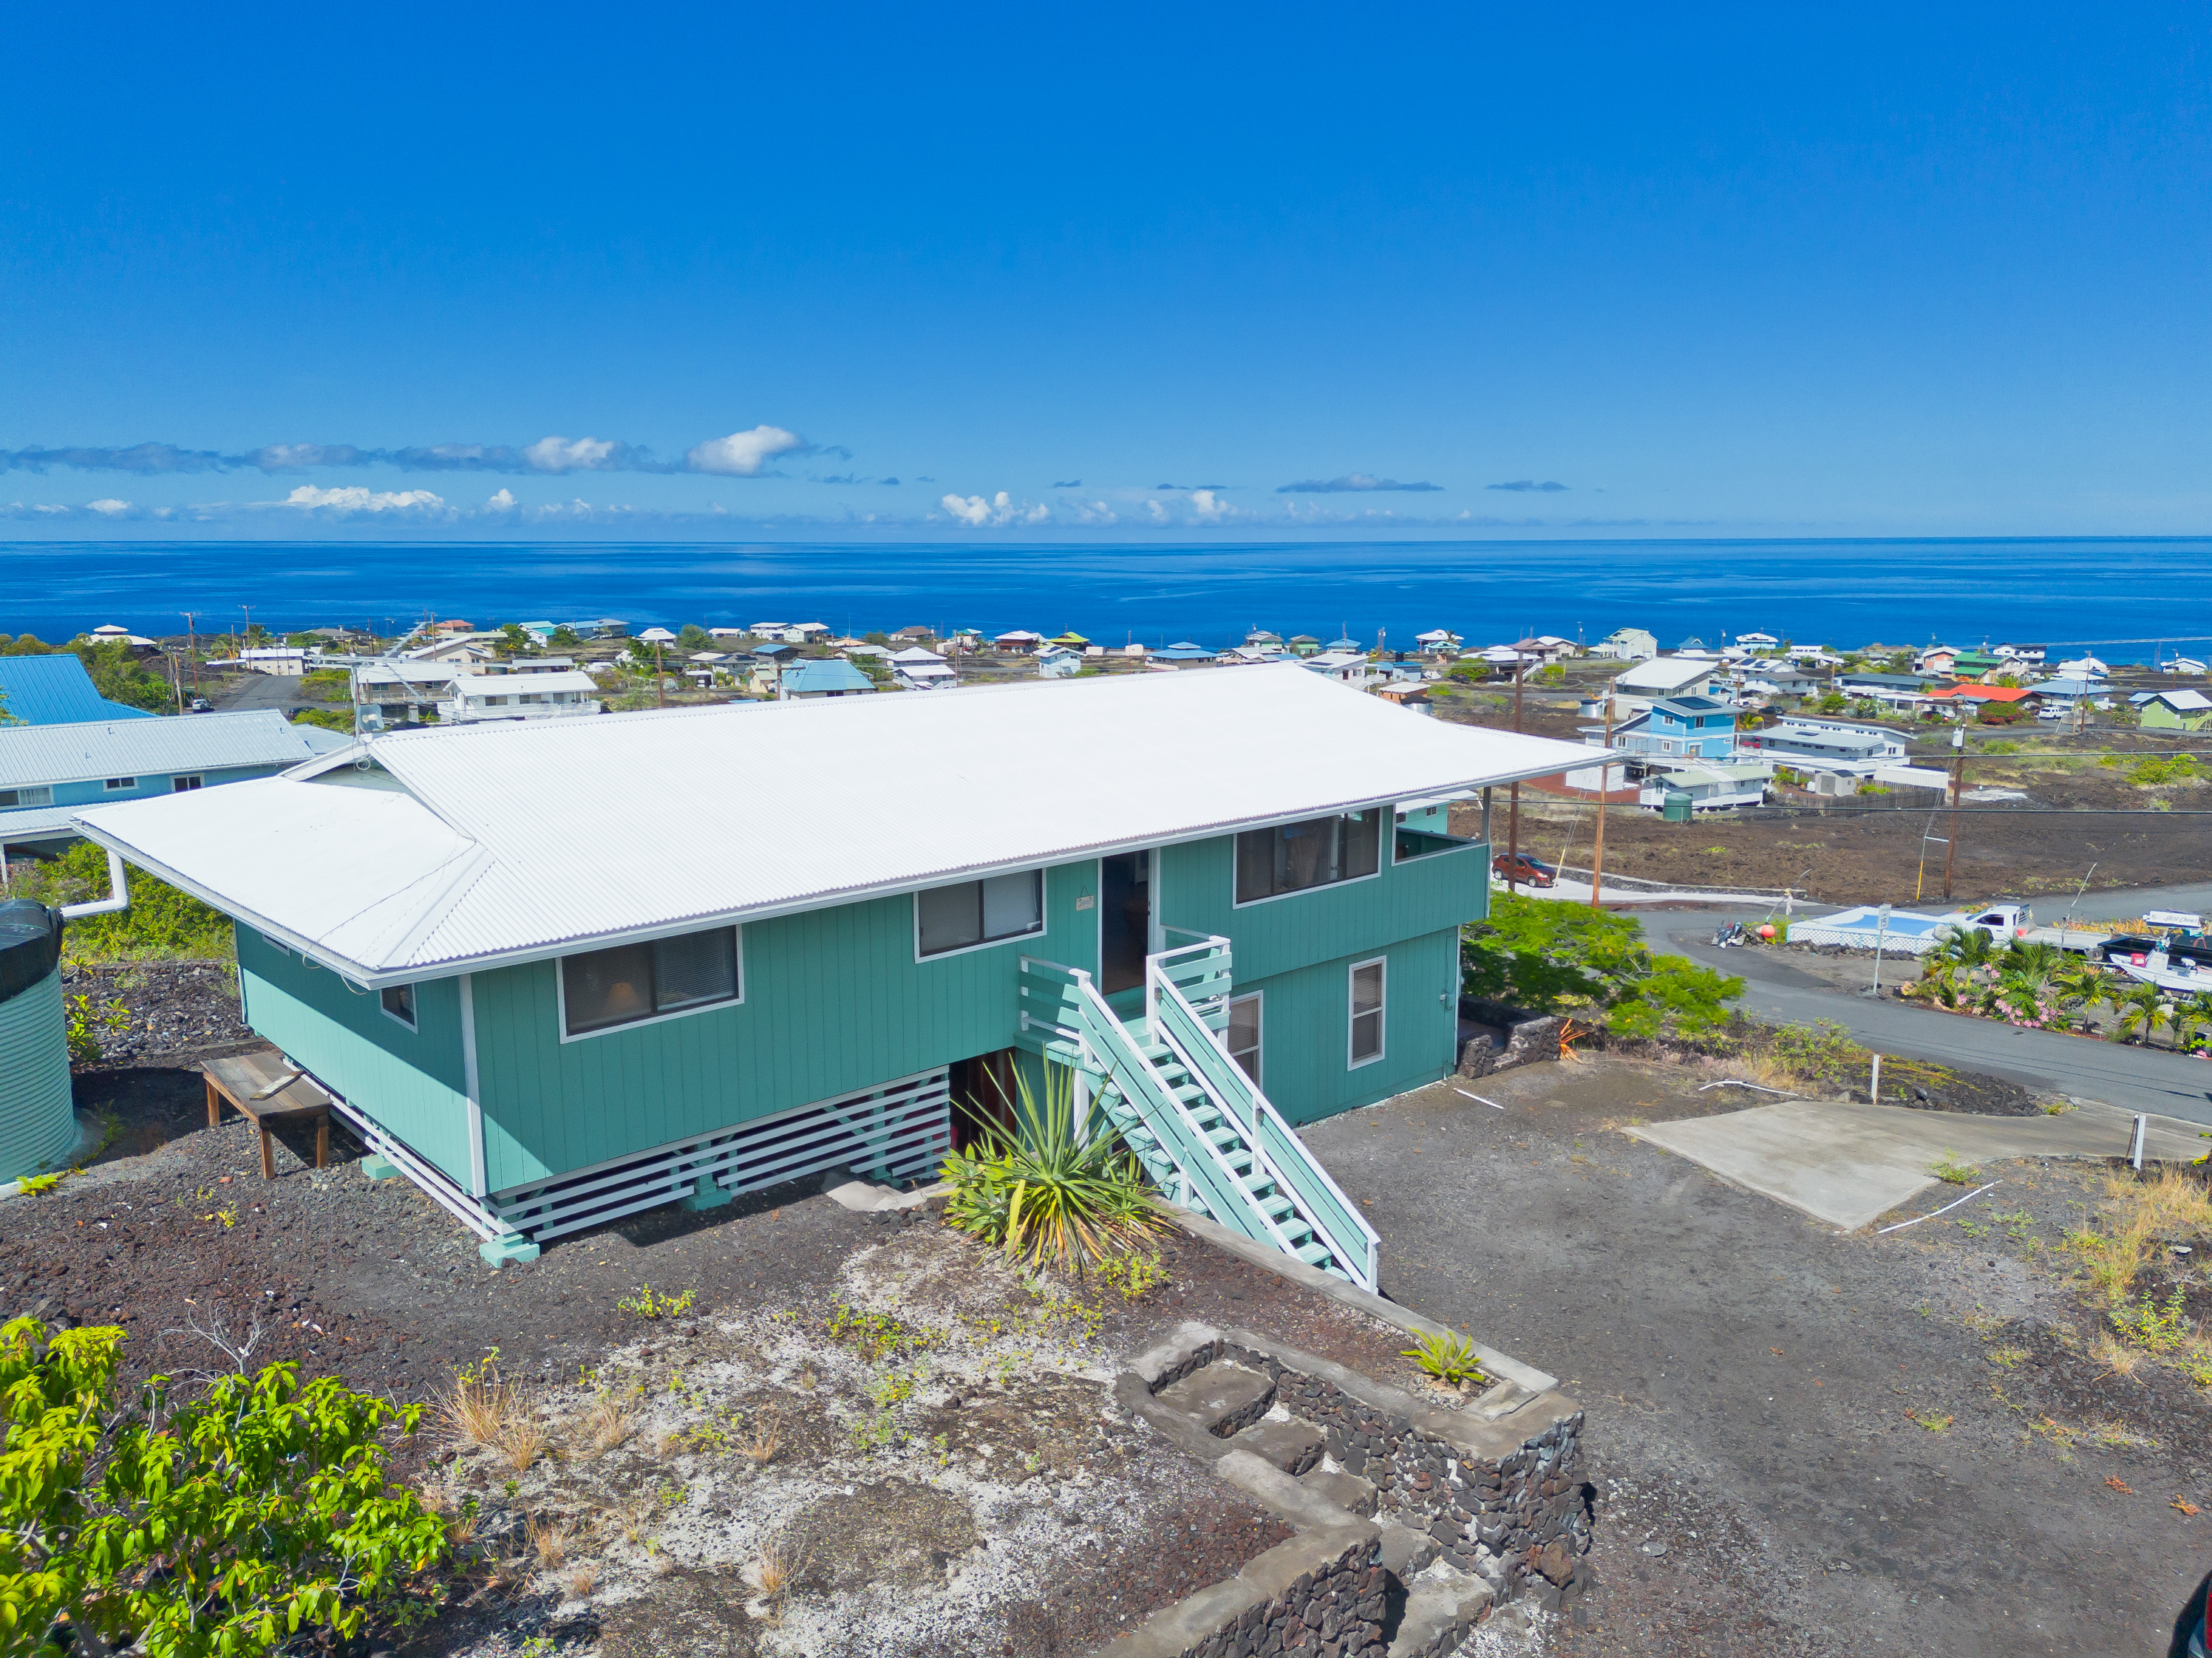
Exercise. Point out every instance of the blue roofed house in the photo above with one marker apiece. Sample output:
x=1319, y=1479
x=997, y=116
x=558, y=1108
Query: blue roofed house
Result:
x=425, y=926
x=56, y=690
x=1686, y=726
x=48, y=773
x=821, y=677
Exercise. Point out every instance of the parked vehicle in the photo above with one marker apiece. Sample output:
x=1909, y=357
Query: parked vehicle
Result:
x=1528, y=872
x=2200, y=1638
x=201, y=704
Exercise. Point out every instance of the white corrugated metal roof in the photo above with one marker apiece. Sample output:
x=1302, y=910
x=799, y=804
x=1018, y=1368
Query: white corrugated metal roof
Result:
x=79, y=752
x=521, y=841
x=475, y=687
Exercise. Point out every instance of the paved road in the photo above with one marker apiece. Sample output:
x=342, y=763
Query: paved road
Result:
x=2135, y=1079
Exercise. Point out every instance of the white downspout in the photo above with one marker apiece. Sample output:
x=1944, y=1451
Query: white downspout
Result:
x=469, y=1085
x=119, y=893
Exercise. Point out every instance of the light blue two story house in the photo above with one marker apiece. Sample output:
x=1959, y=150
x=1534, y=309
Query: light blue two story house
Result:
x=49, y=773
x=562, y=972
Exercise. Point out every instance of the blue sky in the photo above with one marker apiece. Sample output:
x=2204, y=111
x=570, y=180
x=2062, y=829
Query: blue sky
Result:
x=1035, y=271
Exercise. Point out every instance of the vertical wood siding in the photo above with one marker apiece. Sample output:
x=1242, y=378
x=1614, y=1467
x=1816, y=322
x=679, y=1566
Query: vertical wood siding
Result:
x=834, y=1000
x=409, y=1081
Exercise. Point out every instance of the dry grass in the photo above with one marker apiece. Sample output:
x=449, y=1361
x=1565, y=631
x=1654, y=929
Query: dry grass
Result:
x=1762, y=1069
x=480, y=1403
x=582, y=1581
x=781, y=1563
x=2139, y=1217
x=2116, y=1356
x=766, y=1440
x=549, y=1540
x=607, y=1425
x=629, y=1519
x=523, y=1444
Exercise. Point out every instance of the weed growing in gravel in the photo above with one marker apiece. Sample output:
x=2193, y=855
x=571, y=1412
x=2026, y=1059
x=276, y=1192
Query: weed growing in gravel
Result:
x=782, y=1563
x=483, y=1407
x=1132, y=1274
x=1449, y=1358
x=2159, y=1328
x=647, y=1305
x=872, y=1335
x=32, y=1186
x=766, y=1440
x=1949, y=1169
x=1934, y=1422
x=582, y=1581
x=2006, y=1358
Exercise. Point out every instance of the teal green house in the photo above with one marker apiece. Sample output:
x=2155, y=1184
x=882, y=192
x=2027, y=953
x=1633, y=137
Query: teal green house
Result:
x=557, y=974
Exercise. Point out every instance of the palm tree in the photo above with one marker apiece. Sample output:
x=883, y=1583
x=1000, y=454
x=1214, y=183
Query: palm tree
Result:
x=2190, y=1016
x=1966, y=948
x=2143, y=1009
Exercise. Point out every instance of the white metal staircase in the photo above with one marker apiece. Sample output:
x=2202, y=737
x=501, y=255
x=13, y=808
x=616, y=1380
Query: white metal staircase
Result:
x=1204, y=1132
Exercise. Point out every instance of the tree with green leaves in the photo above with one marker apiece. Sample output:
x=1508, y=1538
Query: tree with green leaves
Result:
x=693, y=637
x=1549, y=956
x=565, y=637
x=220, y=1528
x=2140, y=1013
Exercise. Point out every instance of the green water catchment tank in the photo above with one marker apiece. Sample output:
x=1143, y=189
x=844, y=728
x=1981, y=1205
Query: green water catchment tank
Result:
x=38, y=1128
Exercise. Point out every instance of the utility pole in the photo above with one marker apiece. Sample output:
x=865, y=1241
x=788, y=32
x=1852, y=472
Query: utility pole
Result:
x=248, y=609
x=1513, y=801
x=1958, y=778
x=192, y=650
x=1597, y=857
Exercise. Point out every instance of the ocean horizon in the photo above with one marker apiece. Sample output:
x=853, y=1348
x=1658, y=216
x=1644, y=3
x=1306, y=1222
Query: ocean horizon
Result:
x=2130, y=594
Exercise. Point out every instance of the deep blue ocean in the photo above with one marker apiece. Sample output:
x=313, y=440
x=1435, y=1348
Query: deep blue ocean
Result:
x=2128, y=595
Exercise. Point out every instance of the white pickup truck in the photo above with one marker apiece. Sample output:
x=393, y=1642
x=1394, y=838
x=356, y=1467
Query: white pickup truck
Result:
x=2005, y=922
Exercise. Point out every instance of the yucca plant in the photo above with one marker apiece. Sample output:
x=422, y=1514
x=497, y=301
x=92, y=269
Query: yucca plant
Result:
x=1044, y=1192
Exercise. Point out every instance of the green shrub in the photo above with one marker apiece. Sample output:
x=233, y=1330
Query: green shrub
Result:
x=1040, y=1194
x=329, y=685
x=86, y=1022
x=2170, y=769
x=161, y=923
x=227, y=1525
x=1553, y=957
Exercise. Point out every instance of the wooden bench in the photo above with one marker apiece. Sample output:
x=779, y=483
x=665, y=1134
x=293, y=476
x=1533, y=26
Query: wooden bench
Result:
x=268, y=1092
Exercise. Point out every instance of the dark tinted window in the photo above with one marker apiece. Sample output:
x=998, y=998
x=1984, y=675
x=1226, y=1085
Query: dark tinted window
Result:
x=1292, y=857
x=605, y=988
x=979, y=912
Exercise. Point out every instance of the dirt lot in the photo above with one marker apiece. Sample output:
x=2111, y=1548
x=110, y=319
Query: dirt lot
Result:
x=974, y=1494
x=1845, y=855
x=1803, y=1443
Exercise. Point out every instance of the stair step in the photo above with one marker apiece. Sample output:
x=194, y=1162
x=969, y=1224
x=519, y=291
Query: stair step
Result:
x=1312, y=1253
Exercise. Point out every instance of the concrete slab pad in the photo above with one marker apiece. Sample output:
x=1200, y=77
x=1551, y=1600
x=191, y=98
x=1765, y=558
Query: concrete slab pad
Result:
x=1846, y=1163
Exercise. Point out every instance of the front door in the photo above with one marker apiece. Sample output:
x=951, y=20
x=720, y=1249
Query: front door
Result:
x=1125, y=920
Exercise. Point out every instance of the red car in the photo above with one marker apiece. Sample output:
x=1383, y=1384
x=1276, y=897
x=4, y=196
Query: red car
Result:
x=1526, y=871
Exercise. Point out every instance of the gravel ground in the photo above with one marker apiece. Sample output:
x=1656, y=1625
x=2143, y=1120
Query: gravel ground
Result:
x=173, y=1235
x=1803, y=1443
x=173, y=1008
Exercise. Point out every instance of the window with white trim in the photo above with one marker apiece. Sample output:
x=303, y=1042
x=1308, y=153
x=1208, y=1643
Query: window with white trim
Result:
x=972, y=912
x=398, y=1002
x=1316, y=851
x=1243, y=1034
x=185, y=785
x=31, y=795
x=603, y=988
x=122, y=783
x=1367, y=994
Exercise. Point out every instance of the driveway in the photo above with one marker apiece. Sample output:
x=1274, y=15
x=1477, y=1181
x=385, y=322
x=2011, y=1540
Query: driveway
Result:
x=1758, y=1383
x=2133, y=1079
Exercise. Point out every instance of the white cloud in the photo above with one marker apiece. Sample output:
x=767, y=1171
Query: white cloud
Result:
x=742, y=454
x=999, y=511
x=1159, y=512
x=504, y=502
x=108, y=508
x=353, y=498
x=1206, y=507
x=568, y=455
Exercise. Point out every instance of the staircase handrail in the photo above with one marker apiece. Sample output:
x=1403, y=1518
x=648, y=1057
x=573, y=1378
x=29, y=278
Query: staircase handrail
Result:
x=1210, y=942
x=1104, y=1036
x=1347, y=1233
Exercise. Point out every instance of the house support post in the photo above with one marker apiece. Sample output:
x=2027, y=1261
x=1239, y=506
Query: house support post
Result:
x=1513, y=799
